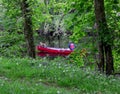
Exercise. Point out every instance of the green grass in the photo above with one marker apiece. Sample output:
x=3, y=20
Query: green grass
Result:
x=41, y=76
x=29, y=87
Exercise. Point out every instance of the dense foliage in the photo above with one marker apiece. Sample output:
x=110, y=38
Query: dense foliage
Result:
x=57, y=22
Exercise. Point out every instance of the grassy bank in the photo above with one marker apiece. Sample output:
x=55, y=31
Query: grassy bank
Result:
x=41, y=76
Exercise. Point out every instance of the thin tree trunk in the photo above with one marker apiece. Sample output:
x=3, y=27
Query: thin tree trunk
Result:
x=28, y=32
x=100, y=17
x=59, y=42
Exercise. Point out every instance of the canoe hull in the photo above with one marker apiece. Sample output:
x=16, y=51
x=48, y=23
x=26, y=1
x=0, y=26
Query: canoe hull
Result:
x=44, y=51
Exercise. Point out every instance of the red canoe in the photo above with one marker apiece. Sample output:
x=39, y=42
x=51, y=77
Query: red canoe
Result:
x=44, y=51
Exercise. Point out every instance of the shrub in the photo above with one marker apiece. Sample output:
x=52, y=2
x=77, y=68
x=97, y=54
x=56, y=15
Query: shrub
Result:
x=12, y=44
x=77, y=57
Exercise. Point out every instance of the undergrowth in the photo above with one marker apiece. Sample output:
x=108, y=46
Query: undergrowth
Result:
x=12, y=44
x=55, y=72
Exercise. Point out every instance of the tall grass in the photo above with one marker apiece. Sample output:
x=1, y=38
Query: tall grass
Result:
x=57, y=73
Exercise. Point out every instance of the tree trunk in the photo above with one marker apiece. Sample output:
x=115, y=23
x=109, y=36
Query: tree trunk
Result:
x=109, y=60
x=105, y=51
x=59, y=42
x=101, y=63
x=28, y=32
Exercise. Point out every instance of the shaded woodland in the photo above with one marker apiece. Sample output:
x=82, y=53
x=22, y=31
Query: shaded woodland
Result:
x=94, y=26
x=93, y=67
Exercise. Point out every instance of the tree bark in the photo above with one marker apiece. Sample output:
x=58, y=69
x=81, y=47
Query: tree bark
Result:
x=109, y=60
x=105, y=51
x=28, y=32
x=101, y=63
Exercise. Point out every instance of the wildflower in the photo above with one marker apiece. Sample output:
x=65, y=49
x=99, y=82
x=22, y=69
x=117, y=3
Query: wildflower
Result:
x=40, y=80
x=36, y=84
x=5, y=78
x=17, y=63
x=58, y=92
x=2, y=84
x=39, y=65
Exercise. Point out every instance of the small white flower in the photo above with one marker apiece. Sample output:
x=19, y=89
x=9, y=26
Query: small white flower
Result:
x=39, y=65
x=118, y=14
x=5, y=78
x=40, y=80
x=17, y=63
x=36, y=84
x=66, y=70
x=2, y=84
x=58, y=92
